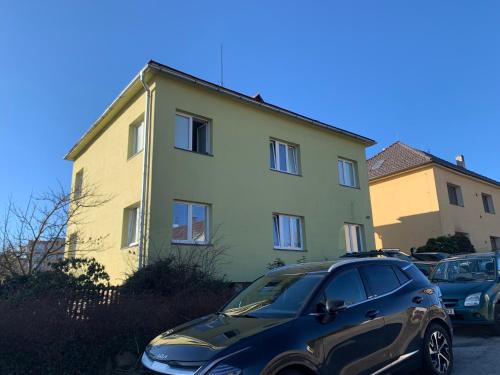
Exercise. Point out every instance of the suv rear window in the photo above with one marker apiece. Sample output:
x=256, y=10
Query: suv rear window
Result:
x=403, y=277
x=380, y=279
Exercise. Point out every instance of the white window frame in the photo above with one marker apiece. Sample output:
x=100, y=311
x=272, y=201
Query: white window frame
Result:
x=351, y=239
x=189, y=239
x=277, y=159
x=293, y=234
x=130, y=211
x=138, y=134
x=344, y=174
x=190, y=132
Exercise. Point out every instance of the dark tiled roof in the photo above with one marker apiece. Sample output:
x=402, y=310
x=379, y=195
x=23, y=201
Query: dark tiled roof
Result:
x=399, y=157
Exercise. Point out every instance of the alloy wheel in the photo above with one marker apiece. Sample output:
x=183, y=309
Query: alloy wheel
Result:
x=439, y=350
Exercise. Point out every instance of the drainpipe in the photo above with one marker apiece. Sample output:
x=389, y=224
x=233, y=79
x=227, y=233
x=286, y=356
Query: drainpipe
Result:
x=145, y=171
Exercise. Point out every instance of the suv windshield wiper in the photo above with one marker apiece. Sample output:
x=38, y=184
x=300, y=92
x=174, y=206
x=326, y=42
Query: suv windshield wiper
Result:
x=245, y=316
x=436, y=279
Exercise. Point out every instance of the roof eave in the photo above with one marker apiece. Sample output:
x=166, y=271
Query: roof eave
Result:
x=88, y=135
x=165, y=69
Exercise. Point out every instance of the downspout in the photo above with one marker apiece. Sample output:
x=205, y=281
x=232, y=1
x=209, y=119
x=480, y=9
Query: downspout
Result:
x=145, y=171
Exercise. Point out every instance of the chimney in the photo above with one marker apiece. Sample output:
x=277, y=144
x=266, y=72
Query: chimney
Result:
x=460, y=159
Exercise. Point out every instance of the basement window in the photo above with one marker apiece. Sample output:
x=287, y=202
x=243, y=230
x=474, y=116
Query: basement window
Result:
x=192, y=133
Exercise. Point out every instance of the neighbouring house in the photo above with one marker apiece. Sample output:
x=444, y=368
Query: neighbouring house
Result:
x=265, y=182
x=416, y=196
x=44, y=252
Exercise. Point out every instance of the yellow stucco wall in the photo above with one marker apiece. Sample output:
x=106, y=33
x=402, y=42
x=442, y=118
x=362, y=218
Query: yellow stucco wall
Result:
x=108, y=170
x=235, y=181
x=412, y=207
x=241, y=189
x=405, y=209
x=471, y=218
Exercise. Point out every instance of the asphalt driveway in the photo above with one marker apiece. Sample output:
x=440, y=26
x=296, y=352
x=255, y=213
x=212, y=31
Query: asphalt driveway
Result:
x=477, y=351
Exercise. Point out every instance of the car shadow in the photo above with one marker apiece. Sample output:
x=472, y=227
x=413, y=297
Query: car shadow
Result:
x=474, y=331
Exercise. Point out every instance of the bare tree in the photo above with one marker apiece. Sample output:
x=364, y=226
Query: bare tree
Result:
x=34, y=235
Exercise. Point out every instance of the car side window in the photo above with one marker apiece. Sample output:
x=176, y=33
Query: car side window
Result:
x=380, y=279
x=346, y=286
x=403, y=277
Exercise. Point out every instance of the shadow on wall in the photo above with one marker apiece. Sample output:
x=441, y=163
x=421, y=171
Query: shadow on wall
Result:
x=409, y=231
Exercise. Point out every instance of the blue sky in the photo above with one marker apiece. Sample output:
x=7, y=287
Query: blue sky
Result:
x=426, y=73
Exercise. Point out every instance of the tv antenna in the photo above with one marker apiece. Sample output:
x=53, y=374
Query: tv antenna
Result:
x=221, y=65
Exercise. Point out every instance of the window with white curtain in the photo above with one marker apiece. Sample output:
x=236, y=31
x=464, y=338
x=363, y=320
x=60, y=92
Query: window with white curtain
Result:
x=287, y=231
x=348, y=173
x=190, y=223
x=354, y=238
x=283, y=157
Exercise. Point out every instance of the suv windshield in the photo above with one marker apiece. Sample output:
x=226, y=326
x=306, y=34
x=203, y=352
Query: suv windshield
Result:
x=476, y=269
x=281, y=295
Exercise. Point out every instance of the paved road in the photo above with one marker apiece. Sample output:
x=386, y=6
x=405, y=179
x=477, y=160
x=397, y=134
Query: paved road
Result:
x=476, y=351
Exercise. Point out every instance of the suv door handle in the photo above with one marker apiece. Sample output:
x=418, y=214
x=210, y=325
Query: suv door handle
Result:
x=372, y=314
x=417, y=299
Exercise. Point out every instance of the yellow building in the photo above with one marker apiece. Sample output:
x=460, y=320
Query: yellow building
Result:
x=265, y=182
x=416, y=196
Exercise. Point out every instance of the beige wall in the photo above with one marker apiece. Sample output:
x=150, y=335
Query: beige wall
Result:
x=471, y=218
x=405, y=209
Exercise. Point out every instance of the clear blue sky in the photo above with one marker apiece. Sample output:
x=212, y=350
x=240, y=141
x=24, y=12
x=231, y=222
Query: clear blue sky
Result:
x=424, y=72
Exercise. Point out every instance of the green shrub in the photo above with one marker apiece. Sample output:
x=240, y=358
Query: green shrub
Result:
x=456, y=244
x=168, y=277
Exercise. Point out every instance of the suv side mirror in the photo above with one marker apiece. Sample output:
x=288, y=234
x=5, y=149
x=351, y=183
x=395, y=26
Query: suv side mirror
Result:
x=334, y=306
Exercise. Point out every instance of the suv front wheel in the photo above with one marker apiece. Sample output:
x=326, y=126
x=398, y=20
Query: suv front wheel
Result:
x=437, y=351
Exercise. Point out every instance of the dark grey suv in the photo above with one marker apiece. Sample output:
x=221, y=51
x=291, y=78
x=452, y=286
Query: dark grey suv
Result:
x=352, y=316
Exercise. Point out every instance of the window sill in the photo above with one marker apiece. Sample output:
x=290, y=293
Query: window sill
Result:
x=457, y=205
x=129, y=246
x=288, y=173
x=130, y=157
x=186, y=243
x=194, y=152
x=350, y=187
x=289, y=249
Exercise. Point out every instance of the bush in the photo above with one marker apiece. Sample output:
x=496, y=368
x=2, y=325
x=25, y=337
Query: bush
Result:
x=61, y=324
x=171, y=276
x=456, y=244
x=69, y=274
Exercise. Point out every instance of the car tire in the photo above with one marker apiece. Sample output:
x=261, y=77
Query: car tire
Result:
x=496, y=327
x=437, y=351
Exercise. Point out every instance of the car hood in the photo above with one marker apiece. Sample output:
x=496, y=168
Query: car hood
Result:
x=202, y=339
x=460, y=290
